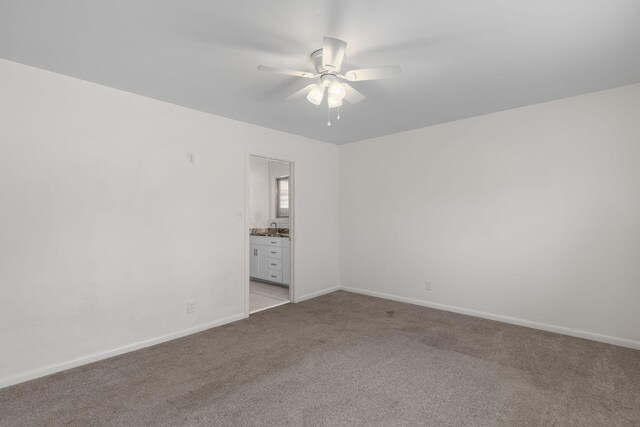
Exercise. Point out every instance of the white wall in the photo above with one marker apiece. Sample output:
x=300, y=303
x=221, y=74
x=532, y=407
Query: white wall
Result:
x=531, y=213
x=106, y=231
x=258, y=193
x=262, y=190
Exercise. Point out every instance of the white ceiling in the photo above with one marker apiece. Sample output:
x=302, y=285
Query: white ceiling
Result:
x=459, y=58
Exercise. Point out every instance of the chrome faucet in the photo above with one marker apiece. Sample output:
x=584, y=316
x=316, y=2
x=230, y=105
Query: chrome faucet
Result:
x=276, y=226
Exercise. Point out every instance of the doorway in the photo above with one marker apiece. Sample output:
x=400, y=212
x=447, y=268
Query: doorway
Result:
x=269, y=200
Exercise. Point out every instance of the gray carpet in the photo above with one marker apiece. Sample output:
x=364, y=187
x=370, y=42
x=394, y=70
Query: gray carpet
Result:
x=345, y=359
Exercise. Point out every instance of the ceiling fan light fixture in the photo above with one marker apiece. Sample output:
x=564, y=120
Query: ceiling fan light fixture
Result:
x=316, y=94
x=336, y=90
x=334, y=102
x=327, y=62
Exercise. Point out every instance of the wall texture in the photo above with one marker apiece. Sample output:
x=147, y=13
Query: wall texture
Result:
x=258, y=212
x=530, y=215
x=106, y=231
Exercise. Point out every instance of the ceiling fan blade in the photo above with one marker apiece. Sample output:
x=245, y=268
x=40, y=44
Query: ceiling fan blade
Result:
x=302, y=92
x=304, y=74
x=333, y=51
x=352, y=95
x=386, y=72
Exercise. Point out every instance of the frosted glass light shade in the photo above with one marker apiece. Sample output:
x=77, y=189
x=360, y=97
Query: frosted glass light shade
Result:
x=336, y=90
x=334, y=102
x=316, y=94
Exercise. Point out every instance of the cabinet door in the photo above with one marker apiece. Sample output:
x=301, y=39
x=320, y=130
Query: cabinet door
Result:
x=286, y=266
x=258, y=261
x=262, y=262
x=254, y=266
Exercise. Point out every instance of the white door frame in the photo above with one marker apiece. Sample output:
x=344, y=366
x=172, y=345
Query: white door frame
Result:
x=292, y=228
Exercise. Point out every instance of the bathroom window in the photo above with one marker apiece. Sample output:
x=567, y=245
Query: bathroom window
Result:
x=282, y=197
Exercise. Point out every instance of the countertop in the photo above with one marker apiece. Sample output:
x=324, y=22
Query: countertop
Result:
x=271, y=232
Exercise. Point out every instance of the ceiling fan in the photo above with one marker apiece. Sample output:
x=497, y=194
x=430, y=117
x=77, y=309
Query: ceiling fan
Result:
x=328, y=63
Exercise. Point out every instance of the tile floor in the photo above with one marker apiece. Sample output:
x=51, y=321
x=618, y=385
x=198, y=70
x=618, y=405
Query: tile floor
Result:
x=263, y=295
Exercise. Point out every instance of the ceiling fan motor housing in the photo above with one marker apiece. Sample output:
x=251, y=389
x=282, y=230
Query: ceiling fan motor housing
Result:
x=316, y=59
x=327, y=79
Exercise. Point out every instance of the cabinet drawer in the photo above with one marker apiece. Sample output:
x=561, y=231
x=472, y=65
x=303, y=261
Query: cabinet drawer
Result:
x=274, y=276
x=274, y=252
x=258, y=240
x=274, y=241
x=274, y=264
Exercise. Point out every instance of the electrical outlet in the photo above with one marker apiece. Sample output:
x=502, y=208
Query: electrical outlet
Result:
x=191, y=158
x=427, y=285
x=191, y=307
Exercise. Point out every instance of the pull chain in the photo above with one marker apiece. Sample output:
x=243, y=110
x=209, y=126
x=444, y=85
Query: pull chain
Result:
x=338, y=118
x=328, y=115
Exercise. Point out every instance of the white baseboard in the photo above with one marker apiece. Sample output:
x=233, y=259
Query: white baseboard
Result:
x=47, y=370
x=622, y=342
x=317, y=294
x=52, y=369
